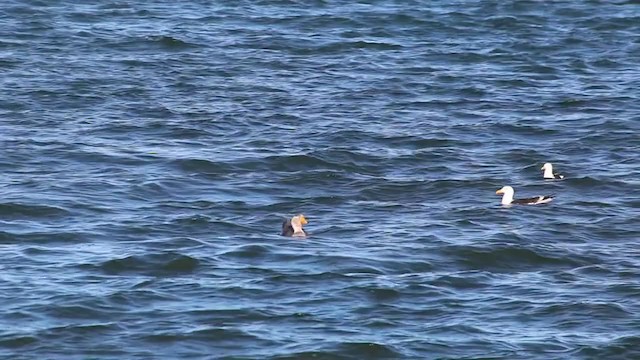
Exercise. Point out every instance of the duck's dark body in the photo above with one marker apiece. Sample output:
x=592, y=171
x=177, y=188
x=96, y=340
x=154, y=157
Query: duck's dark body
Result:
x=287, y=229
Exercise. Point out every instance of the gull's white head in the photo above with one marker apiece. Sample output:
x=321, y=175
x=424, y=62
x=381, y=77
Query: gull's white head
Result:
x=548, y=170
x=507, y=194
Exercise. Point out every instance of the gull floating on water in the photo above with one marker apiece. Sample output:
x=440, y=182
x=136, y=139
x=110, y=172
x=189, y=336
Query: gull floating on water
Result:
x=507, y=198
x=293, y=226
x=548, y=172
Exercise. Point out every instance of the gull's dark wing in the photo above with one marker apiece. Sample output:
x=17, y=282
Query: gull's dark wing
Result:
x=533, y=200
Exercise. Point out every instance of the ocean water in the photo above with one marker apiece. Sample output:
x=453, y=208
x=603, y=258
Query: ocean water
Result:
x=151, y=150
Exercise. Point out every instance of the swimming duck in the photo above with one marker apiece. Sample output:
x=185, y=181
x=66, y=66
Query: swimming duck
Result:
x=293, y=226
x=507, y=198
x=548, y=172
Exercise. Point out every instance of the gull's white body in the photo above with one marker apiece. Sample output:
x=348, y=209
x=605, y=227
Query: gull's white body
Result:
x=507, y=198
x=548, y=172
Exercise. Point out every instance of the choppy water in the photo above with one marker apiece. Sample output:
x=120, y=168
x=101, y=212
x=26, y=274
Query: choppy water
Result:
x=150, y=151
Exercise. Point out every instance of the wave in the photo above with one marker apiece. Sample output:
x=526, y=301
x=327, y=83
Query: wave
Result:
x=17, y=210
x=158, y=264
x=513, y=258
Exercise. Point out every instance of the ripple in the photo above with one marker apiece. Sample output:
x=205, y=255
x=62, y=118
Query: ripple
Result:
x=370, y=350
x=160, y=264
x=169, y=42
x=249, y=251
x=217, y=334
x=512, y=258
x=42, y=237
x=626, y=346
x=16, y=210
x=18, y=341
x=593, y=310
